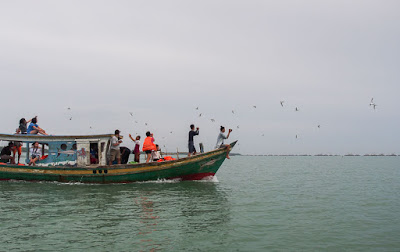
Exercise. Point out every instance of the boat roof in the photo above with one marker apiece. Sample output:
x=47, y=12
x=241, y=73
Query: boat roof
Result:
x=51, y=138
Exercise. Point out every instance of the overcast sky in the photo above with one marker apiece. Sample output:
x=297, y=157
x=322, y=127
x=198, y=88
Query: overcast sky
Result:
x=162, y=59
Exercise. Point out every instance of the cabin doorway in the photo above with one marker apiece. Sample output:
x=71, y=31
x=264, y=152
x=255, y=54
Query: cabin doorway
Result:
x=94, y=153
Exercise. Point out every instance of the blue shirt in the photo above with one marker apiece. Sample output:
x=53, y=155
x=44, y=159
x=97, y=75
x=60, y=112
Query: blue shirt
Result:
x=30, y=127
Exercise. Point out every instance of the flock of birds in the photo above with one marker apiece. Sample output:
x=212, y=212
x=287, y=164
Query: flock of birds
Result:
x=282, y=103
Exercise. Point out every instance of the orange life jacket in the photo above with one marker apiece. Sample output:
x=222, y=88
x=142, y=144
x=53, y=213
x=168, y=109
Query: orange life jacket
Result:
x=148, y=144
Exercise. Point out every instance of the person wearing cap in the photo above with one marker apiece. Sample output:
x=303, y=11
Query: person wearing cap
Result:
x=115, y=152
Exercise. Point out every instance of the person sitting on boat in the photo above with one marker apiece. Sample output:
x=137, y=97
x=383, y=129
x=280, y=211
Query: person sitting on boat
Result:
x=192, y=133
x=94, y=156
x=221, y=138
x=156, y=155
x=125, y=152
x=5, y=155
x=148, y=145
x=33, y=128
x=115, y=153
x=23, y=125
x=35, y=152
x=136, y=150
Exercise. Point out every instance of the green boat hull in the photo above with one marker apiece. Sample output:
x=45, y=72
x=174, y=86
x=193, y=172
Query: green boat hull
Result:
x=190, y=168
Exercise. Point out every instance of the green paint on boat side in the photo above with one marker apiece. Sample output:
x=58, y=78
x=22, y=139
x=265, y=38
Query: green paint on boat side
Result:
x=204, y=163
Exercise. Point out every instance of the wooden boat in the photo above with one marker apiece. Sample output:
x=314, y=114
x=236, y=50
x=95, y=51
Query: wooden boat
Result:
x=68, y=160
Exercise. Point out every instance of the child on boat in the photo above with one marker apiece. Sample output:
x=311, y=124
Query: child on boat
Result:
x=35, y=152
x=220, y=140
x=156, y=155
x=34, y=128
x=136, y=150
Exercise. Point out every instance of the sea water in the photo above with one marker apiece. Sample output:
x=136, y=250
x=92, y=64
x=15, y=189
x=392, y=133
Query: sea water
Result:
x=254, y=204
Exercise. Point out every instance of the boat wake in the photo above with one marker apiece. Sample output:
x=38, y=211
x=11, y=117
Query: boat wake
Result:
x=212, y=179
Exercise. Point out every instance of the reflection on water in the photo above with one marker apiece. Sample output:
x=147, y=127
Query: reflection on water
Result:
x=145, y=217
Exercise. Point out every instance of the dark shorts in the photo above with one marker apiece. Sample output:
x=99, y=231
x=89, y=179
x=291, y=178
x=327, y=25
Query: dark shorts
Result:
x=192, y=149
x=148, y=152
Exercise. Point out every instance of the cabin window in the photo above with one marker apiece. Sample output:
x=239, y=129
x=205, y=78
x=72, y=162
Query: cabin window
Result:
x=74, y=146
x=63, y=147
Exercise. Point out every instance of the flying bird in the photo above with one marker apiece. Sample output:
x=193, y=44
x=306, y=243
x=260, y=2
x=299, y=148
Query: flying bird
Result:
x=254, y=106
x=69, y=108
x=145, y=124
x=296, y=109
x=262, y=135
x=233, y=112
x=200, y=114
x=237, y=127
x=70, y=118
x=296, y=136
x=131, y=113
x=282, y=103
x=372, y=103
x=197, y=108
x=319, y=126
x=212, y=120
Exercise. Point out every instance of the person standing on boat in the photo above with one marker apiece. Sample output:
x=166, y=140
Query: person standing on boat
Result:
x=5, y=154
x=35, y=152
x=136, y=150
x=192, y=133
x=149, y=146
x=221, y=138
x=115, y=152
x=33, y=128
x=17, y=148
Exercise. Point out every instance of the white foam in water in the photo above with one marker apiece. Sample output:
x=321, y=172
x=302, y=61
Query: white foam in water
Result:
x=161, y=181
x=212, y=179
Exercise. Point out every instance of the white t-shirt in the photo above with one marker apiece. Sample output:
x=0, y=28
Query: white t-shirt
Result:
x=156, y=155
x=37, y=152
x=220, y=140
x=114, y=140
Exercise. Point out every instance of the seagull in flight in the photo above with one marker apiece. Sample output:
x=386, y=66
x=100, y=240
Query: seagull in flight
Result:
x=254, y=106
x=282, y=103
x=200, y=114
x=296, y=109
x=372, y=103
x=70, y=118
x=237, y=127
x=131, y=113
x=212, y=120
x=296, y=136
x=233, y=112
x=319, y=126
x=69, y=108
x=145, y=124
x=197, y=108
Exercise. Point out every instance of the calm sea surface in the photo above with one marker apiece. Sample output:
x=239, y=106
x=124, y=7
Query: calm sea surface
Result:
x=255, y=204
